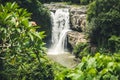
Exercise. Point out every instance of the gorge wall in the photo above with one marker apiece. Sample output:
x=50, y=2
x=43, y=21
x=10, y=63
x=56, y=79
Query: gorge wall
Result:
x=77, y=21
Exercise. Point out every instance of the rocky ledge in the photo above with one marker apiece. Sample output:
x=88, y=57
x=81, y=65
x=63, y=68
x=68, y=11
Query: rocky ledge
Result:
x=75, y=37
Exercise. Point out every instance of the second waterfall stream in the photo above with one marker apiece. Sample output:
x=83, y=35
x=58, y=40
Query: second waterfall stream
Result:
x=60, y=27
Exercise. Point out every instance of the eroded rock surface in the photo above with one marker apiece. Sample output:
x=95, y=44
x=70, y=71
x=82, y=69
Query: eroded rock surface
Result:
x=75, y=37
x=78, y=18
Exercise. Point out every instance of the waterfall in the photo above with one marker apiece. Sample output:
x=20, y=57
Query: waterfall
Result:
x=60, y=27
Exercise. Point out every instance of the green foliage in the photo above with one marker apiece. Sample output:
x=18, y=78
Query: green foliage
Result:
x=115, y=42
x=47, y=1
x=60, y=72
x=86, y=1
x=75, y=1
x=40, y=14
x=103, y=22
x=80, y=50
x=99, y=67
x=21, y=47
x=70, y=1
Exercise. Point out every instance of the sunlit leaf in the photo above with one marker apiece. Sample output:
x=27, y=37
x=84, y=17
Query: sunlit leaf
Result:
x=31, y=36
x=105, y=70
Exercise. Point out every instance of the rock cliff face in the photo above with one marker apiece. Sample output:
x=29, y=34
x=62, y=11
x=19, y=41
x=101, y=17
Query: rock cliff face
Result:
x=75, y=37
x=77, y=21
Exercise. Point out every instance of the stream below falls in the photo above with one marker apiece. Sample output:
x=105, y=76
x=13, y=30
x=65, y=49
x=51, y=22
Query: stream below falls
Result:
x=67, y=60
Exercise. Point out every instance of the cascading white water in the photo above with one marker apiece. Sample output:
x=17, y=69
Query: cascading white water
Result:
x=60, y=27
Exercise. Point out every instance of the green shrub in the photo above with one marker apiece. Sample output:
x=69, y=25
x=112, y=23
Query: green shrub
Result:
x=22, y=50
x=72, y=1
x=84, y=1
x=99, y=67
x=103, y=22
x=40, y=14
x=80, y=50
x=115, y=42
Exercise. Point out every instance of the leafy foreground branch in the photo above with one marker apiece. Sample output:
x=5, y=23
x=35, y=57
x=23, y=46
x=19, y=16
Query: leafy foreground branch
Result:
x=22, y=50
